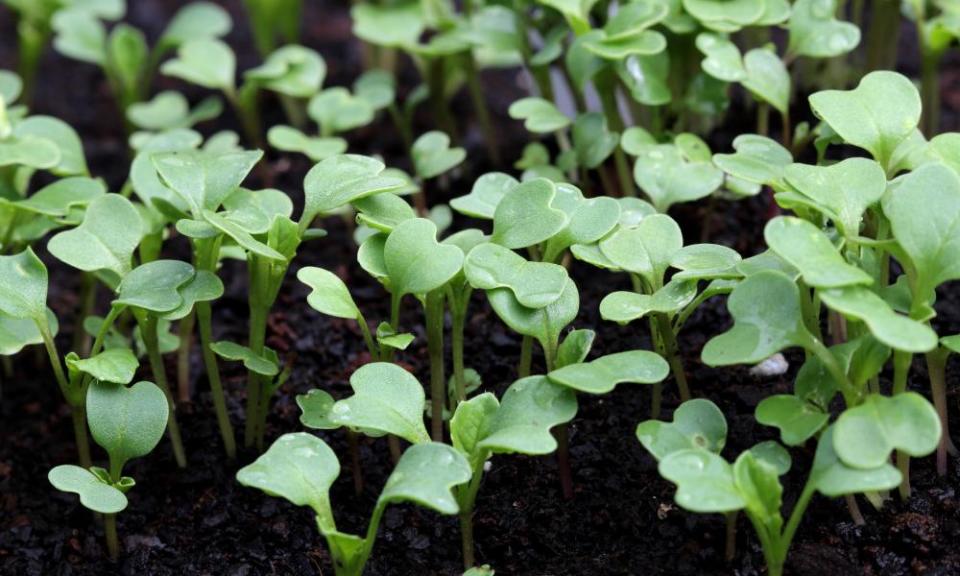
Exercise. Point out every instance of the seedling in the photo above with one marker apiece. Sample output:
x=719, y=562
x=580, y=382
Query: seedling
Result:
x=848, y=461
x=274, y=22
x=128, y=423
x=127, y=61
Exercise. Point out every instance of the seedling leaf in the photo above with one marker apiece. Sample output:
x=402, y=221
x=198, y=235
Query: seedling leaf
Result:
x=867, y=433
x=602, y=375
x=128, y=422
x=94, y=494
x=697, y=424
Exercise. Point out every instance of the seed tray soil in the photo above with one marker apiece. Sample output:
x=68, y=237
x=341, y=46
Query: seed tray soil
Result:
x=621, y=521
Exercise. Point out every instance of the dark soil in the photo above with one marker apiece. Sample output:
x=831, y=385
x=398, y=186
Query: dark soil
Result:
x=622, y=519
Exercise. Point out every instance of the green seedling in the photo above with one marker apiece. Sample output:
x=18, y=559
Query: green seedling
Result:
x=672, y=173
x=274, y=22
x=127, y=422
x=938, y=27
x=302, y=468
x=432, y=157
x=124, y=55
x=170, y=110
x=688, y=453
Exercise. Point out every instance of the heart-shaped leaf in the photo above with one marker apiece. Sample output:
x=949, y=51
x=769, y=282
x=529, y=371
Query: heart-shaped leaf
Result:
x=196, y=20
x=298, y=467
x=727, y=16
x=878, y=115
x=625, y=307
x=526, y=217
x=53, y=130
x=723, y=60
x=815, y=32
x=589, y=220
x=432, y=155
x=887, y=326
x=833, y=478
x=16, y=333
x=116, y=365
x=80, y=35
x=241, y=236
x=539, y=116
x=255, y=211
x=924, y=211
x=290, y=139
x=602, y=375
x=544, y=324
x=843, y=191
x=155, y=286
x=807, y=248
x=425, y=475
x=377, y=87
x=415, y=262
x=704, y=481
x=758, y=483
x=534, y=284
x=797, y=419
x=697, y=424
x=575, y=347
x=529, y=409
x=767, y=318
x=485, y=195
x=383, y=212
x=339, y=180
x=260, y=364
x=291, y=70
x=63, y=196
x=757, y=159
x=396, y=25
x=592, y=140
x=106, y=239
x=94, y=494
x=336, y=110
x=204, y=179
x=643, y=43
x=668, y=178
x=767, y=78
x=646, y=249
x=315, y=408
x=866, y=434
x=128, y=422
x=205, y=286
x=205, y=62
x=23, y=286
x=328, y=293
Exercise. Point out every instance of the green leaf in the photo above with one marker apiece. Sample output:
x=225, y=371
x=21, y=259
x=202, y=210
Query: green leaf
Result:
x=328, y=293
x=668, y=178
x=842, y=191
x=292, y=70
x=315, y=408
x=576, y=12
x=395, y=25
x=377, y=87
x=415, y=262
x=767, y=78
x=336, y=110
x=767, y=318
x=339, y=180
x=241, y=236
x=592, y=140
x=16, y=333
x=23, y=286
x=62, y=136
x=116, y=365
x=387, y=399
x=602, y=375
x=530, y=408
x=757, y=159
x=544, y=324
x=723, y=60
x=80, y=35
x=106, y=239
x=833, y=478
x=815, y=32
x=204, y=179
x=759, y=485
x=155, y=286
x=432, y=155
x=170, y=110
x=645, y=77
x=727, y=16
x=625, y=307
x=94, y=494
x=807, y=248
x=10, y=86
x=196, y=20
x=62, y=197
x=425, y=475
x=205, y=286
x=589, y=220
x=539, y=116
x=575, y=347
x=946, y=148
x=878, y=115
x=485, y=195
x=646, y=249
x=29, y=151
x=704, y=481
x=298, y=467
x=255, y=211
x=525, y=216
x=887, y=326
x=534, y=284
x=383, y=212
x=697, y=424
x=259, y=364
x=290, y=139
x=205, y=62
x=797, y=419
x=128, y=422
x=924, y=211
x=470, y=424
x=705, y=261
x=867, y=433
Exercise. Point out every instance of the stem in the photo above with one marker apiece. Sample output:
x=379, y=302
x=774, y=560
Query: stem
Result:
x=480, y=106
x=434, y=320
x=213, y=376
x=785, y=129
x=436, y=85
x=467, y=498
x=673, y=355
x=607, y=87
x=255, y=340
x=884, y=35
x=901, y=369
x=110, y=531
x=854, y=510
x=929, y=86
x=459, y=374
x=795, y=516
x=526, y=357
x=936, y=368
x=88, y=298
x=730, y=548
x=79, y=416
x=763, y=119
x=561, y=433
x=148, y=330
x=903, y=465
x=355, y=469
x=185, y=330
x=850, y=394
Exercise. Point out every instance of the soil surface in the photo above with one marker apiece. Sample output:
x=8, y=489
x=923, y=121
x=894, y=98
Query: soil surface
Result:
x=622, y=519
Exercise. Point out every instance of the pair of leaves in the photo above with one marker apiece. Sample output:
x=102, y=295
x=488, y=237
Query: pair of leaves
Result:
x=760, y=70
x=167, y=287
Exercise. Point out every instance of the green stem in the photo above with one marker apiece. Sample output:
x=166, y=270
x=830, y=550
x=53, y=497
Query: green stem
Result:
x=204, y=315
x=467, y=498
x=929, y=88
x=730, y=546
x=88, y=299
x=355, y=470
x=434, y=321
x=79, y=416
x=458, y=321
x=936, y=368
x=607, y=87
x=258, y=274
x=480, y=107
x=526, y=357
x=901, y=370
x=436, y=85
x=794, y=522
x=884, y=34
x=148, y=331
x=851, y=395
x=673, y=355
x=763, y=119
x=903, y=465
x=110, y=531
x=185, y=330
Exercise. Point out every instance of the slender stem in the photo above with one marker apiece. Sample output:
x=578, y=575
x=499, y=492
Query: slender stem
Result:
x=185, y=330
x=258, y=304
x=901, y=370
x=436, y=85
x=656, y=389
x=903, y=464
x=854, y=510
x=434, y=321
x=367, y=336
x=929, y=86
x=763, y=119
x=785, y=129
x=467, y=498
x=607, y=87
x=795, y=516
x=88, y=299
x=79, y=416
x=110, y=531
x=730, y=547
x=673, y=355
x=562, y=435
x=884, y=33
x=936, y=368
x=480, y=107
x=458, y=320
x=355, y=469
x=526, y=357
x=204, y=314
x=850, y=394
x=148, y=330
